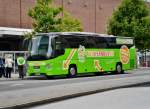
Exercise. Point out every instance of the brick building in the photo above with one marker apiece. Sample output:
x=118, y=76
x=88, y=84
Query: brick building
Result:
x=13, y=14
x=93, y=15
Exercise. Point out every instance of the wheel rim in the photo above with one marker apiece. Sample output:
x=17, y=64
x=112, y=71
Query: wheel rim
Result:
x=72, y=71
x=119, y=68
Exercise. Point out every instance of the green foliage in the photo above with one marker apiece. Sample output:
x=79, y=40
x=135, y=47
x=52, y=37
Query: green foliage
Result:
x=47, y=18
x=29, y=35
x=142, y=33
x=130, y=19
x=70, y=24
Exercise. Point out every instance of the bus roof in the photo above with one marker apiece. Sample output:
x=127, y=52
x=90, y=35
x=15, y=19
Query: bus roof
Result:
x=82, y=34
x=69, y=33
x=77, y=33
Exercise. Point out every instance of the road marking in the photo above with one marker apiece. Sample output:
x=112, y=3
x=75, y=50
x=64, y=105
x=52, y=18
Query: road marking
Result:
x=13, y=85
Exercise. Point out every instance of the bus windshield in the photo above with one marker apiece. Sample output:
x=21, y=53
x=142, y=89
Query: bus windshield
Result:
x=40, y=47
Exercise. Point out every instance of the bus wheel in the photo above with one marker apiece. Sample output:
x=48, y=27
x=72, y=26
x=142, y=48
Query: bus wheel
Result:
x=72, y=71
x=99, y=73
x=49, y=77
x=119, y=68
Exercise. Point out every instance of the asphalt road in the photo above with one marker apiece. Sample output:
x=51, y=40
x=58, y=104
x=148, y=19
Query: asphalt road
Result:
x=38, y=90
x=125, y=98
x=35, y=82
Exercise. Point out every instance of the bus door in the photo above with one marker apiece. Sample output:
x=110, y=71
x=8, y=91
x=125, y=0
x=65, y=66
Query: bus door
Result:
x=58, y=52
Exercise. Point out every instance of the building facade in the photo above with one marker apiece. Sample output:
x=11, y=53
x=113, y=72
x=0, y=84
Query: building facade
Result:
x=93, y=14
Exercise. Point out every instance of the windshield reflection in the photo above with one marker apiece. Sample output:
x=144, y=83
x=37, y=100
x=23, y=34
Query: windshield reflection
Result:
x=40, y=48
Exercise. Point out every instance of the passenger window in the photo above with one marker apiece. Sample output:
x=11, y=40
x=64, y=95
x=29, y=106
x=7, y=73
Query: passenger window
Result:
x=73, y=41
x=101, y=42
x=90, y=42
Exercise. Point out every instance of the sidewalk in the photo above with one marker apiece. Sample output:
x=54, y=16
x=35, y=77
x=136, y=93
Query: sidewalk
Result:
x=18, y=99
x=14, y=76
x=143, y=68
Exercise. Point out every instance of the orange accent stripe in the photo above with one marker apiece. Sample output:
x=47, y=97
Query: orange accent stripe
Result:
x=69, y=58
x=99, y=68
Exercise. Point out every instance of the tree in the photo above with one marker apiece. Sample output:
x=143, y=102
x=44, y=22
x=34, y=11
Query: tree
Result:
x=70, y=24
x=47, y=18
x=131, y=19
x=142, y=33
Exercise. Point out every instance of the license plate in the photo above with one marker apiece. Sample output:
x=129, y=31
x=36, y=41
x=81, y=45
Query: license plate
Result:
x=37, y=74
x=36, y=67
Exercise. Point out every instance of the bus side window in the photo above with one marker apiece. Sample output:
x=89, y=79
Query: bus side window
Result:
x=111, y=42
x=80, y=41
x=59, y=49
x=74, y=41
x=101, y=42
x=90, y=42
x=65, y=43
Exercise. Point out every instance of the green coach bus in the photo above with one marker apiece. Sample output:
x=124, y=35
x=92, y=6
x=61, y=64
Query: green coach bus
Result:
x=72, y=53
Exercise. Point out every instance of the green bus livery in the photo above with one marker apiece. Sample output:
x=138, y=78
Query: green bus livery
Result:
x=72, y=53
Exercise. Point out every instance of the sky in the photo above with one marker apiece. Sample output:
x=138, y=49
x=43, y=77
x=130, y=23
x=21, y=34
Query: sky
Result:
x=147, y=0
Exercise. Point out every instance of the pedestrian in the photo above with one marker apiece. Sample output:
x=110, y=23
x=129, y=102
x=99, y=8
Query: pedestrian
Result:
x=21, y=63
x=9, y=65
x=2, y=68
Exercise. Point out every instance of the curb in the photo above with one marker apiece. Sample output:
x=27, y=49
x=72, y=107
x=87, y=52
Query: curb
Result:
x=13, y=79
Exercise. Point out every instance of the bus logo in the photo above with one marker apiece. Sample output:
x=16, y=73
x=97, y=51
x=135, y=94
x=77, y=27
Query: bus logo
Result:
x=124, y=54
x=81, y=53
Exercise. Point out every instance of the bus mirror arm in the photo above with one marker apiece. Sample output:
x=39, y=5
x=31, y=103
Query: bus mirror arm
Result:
x=62, y=51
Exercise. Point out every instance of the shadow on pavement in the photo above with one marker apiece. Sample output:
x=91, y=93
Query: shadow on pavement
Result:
x=42, y=77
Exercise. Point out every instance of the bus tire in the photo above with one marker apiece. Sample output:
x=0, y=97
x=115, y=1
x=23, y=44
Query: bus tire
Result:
x=49, y=77
x=119, y=68
x=99, y=73
x=72, y=71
